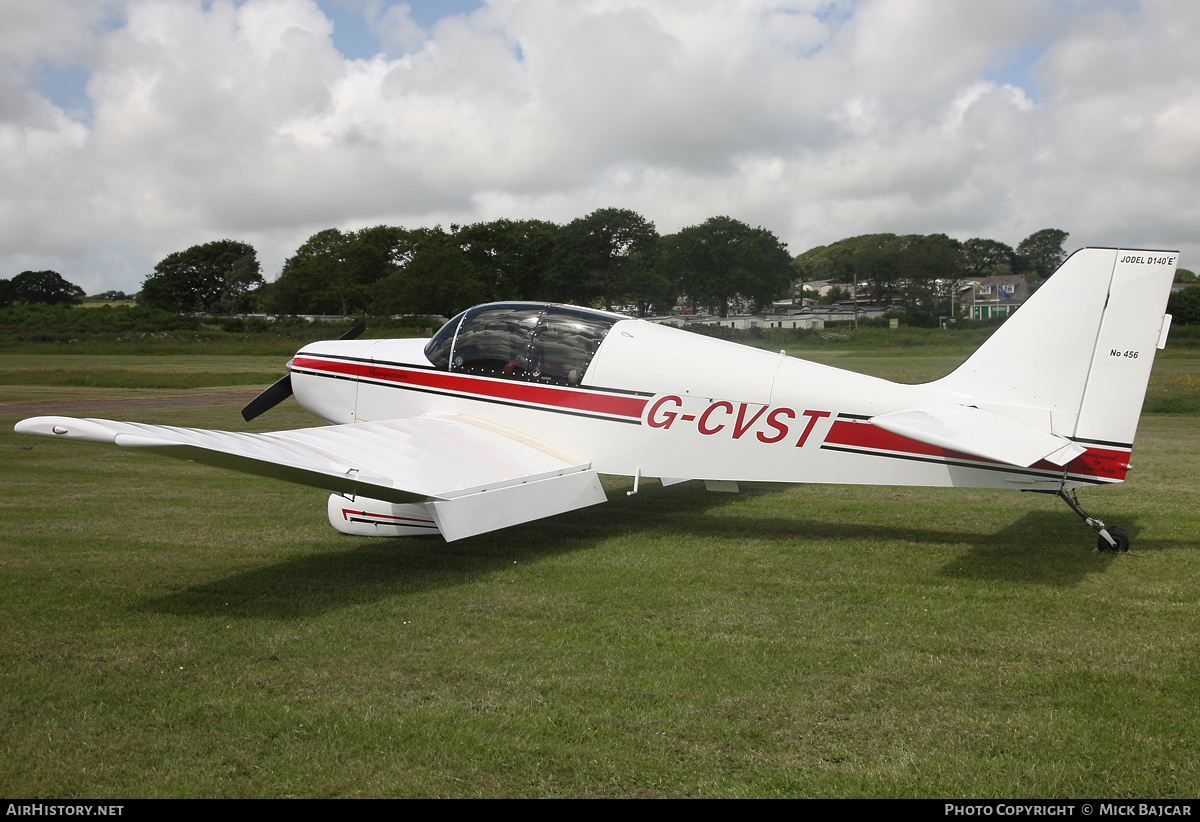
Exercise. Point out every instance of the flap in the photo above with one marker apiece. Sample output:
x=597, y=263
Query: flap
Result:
x=489, y=509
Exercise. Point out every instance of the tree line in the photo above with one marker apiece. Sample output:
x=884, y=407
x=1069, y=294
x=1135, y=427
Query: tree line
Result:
x=611, y=258
x=920, y=272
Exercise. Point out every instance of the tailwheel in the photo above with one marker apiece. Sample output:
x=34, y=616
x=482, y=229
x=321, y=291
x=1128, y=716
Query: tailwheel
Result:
x=1110, y=540
x=1119, y=537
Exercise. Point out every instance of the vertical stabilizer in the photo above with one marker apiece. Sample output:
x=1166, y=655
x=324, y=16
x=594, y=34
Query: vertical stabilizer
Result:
x=1080, y=348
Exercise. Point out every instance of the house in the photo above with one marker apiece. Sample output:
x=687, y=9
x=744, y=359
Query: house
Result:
x=998, y=296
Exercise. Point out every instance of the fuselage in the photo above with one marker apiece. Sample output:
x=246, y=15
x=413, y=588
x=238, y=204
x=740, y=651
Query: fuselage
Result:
x=637, y=398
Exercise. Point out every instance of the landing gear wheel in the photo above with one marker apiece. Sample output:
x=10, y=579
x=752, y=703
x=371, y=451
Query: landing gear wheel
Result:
x=1119, y=536
x=1103, y=545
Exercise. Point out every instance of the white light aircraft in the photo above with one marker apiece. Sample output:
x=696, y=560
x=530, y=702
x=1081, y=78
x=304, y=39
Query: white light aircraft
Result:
x=512, y=410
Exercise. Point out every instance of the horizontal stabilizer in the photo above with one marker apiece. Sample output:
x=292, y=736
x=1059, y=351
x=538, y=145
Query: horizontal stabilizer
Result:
x=981, y=433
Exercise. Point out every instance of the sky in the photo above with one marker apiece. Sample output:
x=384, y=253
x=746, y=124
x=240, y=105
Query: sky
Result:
x=131, y=129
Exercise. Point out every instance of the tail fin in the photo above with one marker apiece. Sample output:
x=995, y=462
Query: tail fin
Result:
x=1080, y=348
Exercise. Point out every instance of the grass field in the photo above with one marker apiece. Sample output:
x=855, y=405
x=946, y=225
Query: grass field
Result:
x=173, y=630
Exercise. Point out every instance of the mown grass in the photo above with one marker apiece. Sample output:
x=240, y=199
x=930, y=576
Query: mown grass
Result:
x=157, y=371
x=124, y=330
x=172, y=630
x=173, y=343
x=126, y=378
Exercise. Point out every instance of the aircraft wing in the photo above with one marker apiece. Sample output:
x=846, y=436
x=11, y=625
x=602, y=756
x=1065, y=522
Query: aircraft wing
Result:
x=477, y=477
x=981, y=433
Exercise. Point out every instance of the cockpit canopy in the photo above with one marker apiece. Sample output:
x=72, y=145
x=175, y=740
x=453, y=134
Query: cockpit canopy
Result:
x=531, y=342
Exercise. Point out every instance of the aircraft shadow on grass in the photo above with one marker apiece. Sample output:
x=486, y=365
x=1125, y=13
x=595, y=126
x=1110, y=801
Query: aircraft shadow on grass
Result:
x=1039, y=548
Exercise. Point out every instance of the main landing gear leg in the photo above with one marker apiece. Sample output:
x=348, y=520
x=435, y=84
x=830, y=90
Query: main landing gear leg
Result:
x=1111, y=540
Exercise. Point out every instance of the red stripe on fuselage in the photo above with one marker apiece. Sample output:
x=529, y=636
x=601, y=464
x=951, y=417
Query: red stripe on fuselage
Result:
x=1101, y=462
x=1096, y=462
x=482, y=387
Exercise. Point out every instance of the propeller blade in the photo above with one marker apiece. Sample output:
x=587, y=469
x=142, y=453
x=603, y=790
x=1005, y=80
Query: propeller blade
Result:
x=355, y=332
x=279, y=391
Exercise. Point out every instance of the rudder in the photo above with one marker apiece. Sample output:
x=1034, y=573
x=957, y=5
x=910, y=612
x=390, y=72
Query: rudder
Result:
x=1133, y=328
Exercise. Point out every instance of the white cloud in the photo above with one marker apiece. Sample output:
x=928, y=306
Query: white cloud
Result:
x=816, y=120
x=394, y=26
x=56, y=31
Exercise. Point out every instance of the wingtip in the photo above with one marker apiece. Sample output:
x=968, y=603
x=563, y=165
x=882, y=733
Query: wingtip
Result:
x=69, y=428
x=44, y=426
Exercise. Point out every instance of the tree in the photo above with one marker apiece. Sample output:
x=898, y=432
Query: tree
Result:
x=203, y=278
x=45, y=288
x=835, y=294
x=879, y=262
x=512, y=257
x=602, y=257
x=915, y=270
x=1184, y=306
x=872, y=258
x=242, y=277
x=981, y=257
x=112, y=295
x=336, y=273
x=437, y=277
x=1042, y=252
x=722, y=259
x=650, y=289
x=933, y=263
x=317, y=279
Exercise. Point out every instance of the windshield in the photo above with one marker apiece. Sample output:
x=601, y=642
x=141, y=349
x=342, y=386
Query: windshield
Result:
x=536, y=343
